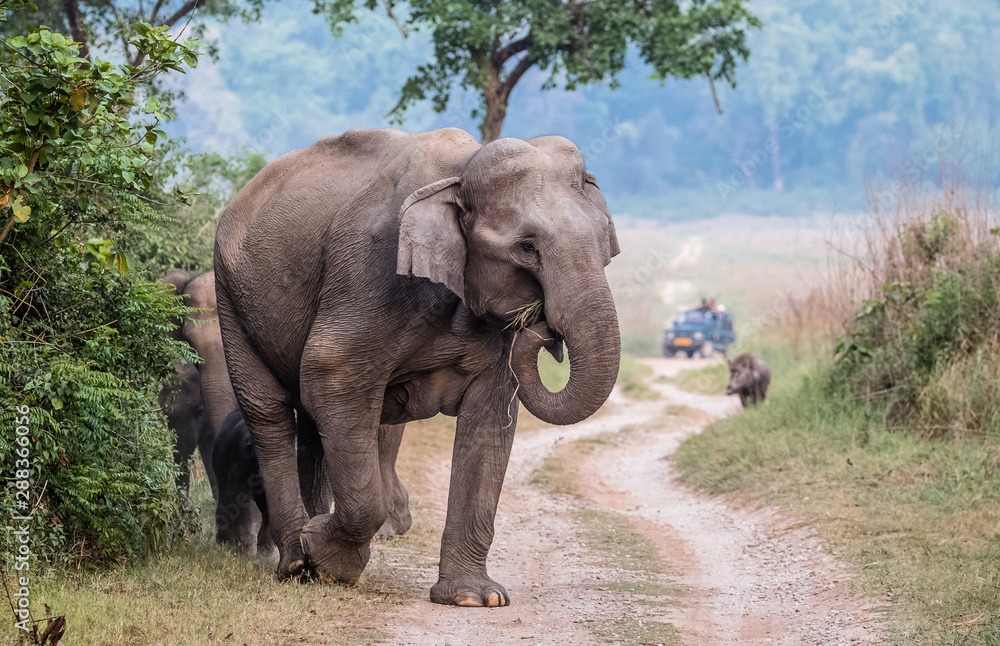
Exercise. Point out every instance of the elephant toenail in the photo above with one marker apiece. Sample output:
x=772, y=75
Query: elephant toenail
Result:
x=468, y=600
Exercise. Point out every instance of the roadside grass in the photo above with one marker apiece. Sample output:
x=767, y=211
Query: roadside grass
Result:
x=918, y=518
x=710, y=380
x=655, y=633
x=632, y=377
x=203, y=593
x=559, y=471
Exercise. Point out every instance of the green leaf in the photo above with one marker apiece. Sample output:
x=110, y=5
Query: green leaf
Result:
x=57, y=403
x=31, y=119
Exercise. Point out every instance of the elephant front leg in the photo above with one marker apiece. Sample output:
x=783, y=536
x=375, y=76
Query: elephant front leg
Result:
x=399, y=520
x=482, y=448
x=338, y=544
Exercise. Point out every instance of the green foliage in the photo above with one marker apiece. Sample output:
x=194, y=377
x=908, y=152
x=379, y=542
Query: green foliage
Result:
x=935, y=329
x=486, y=46
x=83, y=338
x=184, y=236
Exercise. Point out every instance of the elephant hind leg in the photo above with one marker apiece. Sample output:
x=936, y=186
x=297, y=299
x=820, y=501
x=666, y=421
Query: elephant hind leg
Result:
x=399, y=521
x=314, y=478
x=267, y=409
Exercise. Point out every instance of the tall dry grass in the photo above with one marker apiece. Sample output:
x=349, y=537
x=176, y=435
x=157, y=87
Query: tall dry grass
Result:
x=922, y=220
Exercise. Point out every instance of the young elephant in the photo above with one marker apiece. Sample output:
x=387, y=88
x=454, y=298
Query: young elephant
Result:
x=241, y=508
x=200, y=396
x=749, y=378
x=241, y=517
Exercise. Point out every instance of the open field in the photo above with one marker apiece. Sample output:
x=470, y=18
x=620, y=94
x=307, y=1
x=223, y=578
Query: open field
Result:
x=747, y=264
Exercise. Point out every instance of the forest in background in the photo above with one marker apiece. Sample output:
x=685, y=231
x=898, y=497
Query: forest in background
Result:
x=836, y=93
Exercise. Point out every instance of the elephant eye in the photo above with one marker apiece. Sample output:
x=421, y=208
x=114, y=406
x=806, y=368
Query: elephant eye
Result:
x=528, y=247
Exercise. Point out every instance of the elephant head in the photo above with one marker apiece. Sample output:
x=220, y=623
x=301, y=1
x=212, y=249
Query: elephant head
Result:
x=525, y=221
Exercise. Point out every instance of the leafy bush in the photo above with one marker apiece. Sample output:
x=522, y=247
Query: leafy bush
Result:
x=83, y=340
x=916, y=348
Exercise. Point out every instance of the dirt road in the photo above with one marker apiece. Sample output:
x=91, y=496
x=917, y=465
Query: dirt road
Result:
x=725, y=575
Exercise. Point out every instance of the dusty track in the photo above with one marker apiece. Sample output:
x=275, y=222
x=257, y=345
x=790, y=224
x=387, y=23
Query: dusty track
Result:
x=746, y=577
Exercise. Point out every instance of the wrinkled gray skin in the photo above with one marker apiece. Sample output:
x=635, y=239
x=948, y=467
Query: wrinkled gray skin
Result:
x=241, y=517
x=198, y=400
x=749, y=378
x=322, y=265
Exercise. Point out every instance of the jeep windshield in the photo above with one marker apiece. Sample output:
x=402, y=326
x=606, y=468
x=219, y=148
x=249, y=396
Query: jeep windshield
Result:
x=695, y=317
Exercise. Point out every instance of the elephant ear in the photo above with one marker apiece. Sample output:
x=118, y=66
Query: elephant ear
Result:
x=431, y=243
x=593, y=192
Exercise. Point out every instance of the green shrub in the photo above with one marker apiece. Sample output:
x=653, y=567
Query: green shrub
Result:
x=83, y=341
x=924, y=350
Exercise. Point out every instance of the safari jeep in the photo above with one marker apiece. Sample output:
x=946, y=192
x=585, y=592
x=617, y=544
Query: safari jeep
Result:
x=699, y=331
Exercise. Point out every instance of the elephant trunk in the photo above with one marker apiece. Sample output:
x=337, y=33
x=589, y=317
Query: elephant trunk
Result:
x=594, y=348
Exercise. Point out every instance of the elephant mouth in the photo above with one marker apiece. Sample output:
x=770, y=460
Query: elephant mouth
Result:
x=532, y=315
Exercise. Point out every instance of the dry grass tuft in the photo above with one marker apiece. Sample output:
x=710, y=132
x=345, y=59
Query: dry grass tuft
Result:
x=526, y=315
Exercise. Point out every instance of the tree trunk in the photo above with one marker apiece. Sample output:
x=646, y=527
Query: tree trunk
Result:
x=76, y=30
x=496, y=106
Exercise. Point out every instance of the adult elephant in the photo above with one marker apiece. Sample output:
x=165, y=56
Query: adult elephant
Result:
x=322, y=263
x=198, y=399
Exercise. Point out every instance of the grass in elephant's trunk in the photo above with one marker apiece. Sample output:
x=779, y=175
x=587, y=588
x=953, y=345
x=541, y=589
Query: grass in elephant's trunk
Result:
x=523, y=318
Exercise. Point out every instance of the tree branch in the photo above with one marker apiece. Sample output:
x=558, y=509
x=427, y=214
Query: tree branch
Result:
x=515, y=75
x=76, y=29
x=392, y=16
x=188, y=7
x=512, y=49
x=156, y=12
x=715, y=97
x=31, y=167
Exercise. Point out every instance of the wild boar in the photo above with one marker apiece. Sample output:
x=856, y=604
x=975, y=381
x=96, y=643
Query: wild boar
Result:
x=749, y=378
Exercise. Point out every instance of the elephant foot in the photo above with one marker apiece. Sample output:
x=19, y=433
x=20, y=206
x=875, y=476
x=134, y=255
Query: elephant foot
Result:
x=397, y=524
x=471, y=592
x=292, y=561
x=334, y=559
